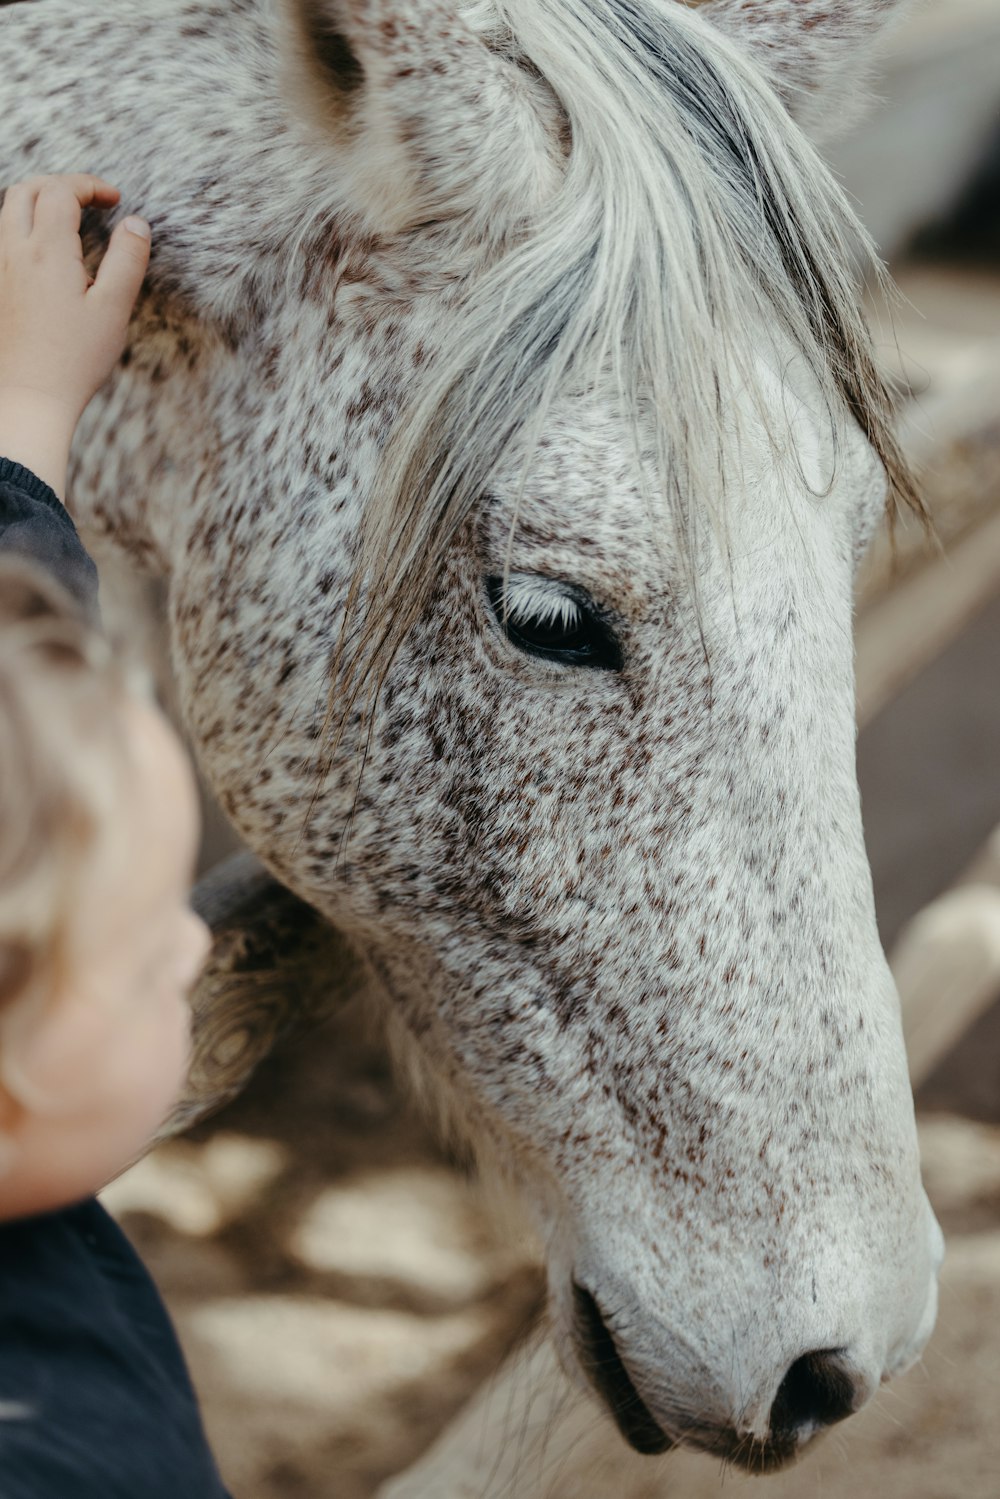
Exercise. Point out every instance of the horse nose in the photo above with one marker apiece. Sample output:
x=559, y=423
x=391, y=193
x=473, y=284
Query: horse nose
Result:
x=818, y=1390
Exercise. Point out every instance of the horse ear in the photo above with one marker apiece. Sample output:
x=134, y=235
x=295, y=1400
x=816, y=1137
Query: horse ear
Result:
x=429, y=121
x=818, y=53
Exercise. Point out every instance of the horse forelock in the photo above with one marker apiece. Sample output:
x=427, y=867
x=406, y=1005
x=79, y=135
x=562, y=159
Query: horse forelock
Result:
x=693, y=218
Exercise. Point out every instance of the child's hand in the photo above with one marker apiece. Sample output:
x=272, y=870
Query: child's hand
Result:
x=60, y=334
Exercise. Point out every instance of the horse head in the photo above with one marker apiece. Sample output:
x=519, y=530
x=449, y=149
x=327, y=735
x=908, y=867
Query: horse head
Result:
x=509, y=357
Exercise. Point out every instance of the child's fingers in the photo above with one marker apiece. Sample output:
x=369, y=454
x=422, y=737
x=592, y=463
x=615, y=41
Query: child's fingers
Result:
x=60, y=201
x=19, y=206
x=94, y=192
x=57, y=212
x=17, y=216
x=120, y=273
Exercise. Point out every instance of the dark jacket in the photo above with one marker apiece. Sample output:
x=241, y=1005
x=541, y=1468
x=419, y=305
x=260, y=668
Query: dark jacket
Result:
x=95, y=1398
x=34, y=524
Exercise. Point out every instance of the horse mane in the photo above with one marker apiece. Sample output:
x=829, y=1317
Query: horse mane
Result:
x=692, y=217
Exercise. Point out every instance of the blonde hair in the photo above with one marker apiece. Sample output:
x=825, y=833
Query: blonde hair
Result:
x=61, y=760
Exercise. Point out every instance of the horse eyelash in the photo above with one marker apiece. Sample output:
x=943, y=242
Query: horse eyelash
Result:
x=528, y=599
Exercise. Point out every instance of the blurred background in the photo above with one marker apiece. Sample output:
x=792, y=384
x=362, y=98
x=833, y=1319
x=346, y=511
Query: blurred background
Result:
x=340, y=1290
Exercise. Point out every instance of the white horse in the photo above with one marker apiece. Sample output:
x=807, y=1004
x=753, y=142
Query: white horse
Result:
x=505, y=357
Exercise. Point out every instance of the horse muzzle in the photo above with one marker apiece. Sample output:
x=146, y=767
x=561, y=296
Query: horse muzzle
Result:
x=816, y=1390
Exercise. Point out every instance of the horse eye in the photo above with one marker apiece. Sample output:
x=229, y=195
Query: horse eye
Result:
x=554, y=621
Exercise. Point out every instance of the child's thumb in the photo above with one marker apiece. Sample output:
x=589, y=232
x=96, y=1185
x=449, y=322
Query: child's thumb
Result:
x=120, y=273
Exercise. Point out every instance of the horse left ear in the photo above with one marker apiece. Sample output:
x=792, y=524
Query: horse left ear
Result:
x=818, y=53
x=428, y=120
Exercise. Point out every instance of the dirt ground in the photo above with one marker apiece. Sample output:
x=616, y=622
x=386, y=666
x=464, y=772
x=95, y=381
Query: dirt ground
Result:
x=338, y=1290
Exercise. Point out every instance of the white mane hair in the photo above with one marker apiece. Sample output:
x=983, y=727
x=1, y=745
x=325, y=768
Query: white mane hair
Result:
x=692, y=215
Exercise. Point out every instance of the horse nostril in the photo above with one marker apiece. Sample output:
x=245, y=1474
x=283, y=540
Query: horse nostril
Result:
x=816, y=1391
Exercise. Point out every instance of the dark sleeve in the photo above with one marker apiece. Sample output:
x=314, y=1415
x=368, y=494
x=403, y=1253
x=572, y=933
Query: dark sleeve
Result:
x=95, y=1397
x=34, y=524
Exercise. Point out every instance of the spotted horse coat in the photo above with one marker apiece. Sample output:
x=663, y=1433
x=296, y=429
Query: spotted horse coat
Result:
x=504, y=357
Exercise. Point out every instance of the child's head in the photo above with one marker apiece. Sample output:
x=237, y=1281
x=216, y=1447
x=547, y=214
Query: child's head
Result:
x=98, y=947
